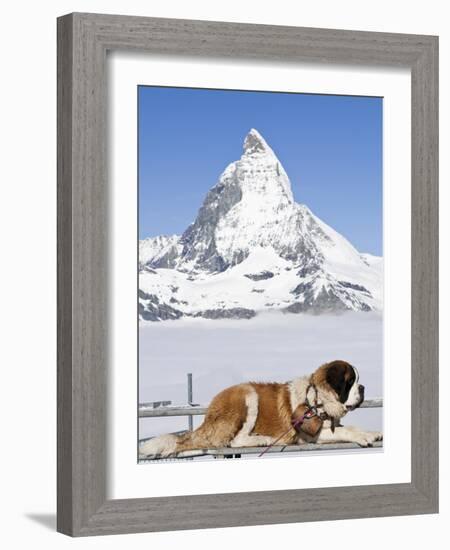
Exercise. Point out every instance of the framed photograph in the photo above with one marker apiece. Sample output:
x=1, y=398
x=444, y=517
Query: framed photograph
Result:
x=257, y=287
x=247, y=274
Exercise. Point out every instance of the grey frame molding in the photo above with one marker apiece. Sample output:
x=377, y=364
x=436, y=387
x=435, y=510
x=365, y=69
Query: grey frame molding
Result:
x=83, y=41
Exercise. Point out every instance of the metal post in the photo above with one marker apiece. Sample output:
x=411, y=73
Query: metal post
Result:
x=189, y=388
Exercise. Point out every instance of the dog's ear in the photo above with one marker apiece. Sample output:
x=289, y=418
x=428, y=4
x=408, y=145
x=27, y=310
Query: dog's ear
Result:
x=340, y=377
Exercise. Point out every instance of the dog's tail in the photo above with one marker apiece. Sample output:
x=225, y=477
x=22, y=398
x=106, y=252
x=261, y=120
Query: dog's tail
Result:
x=168, y=445
x=162, y=446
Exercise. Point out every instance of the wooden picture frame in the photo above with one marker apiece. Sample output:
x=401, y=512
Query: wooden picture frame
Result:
x=83, y=41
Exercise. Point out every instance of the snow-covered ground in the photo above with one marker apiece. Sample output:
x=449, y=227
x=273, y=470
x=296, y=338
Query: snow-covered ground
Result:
x=270, y=347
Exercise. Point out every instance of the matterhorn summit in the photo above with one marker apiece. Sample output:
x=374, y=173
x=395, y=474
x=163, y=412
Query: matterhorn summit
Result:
x=252, y=248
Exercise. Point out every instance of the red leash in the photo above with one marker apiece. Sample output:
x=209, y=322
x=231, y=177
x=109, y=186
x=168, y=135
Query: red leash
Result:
x=294, y=425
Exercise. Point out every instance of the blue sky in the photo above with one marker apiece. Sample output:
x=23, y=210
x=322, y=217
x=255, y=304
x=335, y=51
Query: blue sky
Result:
x=330, y=147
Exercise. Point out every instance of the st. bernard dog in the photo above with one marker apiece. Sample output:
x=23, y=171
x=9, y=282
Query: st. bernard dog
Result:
x=306, y=409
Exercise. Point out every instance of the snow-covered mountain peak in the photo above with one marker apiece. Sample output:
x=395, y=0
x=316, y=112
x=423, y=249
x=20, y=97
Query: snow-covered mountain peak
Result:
x=255, y=143
x=260, y=173
x=250, y=205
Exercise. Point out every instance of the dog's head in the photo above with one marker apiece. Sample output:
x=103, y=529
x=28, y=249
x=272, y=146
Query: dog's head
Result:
x=338, y=385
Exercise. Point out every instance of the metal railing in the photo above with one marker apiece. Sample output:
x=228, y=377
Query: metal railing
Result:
x=146, y=411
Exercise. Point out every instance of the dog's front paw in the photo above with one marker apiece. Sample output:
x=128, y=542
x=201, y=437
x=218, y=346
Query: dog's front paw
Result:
x=362, y=441
x=367, y=439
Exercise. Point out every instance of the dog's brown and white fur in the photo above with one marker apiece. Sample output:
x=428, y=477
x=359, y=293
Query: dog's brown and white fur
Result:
x=256, y=414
